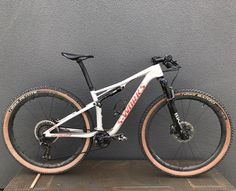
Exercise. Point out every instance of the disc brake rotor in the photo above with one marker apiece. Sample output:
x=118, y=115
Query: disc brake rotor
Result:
x=41, y=127
x=187, y=134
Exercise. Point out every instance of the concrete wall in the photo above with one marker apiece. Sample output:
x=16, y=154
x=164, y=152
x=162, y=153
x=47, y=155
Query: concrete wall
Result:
x=123, y=36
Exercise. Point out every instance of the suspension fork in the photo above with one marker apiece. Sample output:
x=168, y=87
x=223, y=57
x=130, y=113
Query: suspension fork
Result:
x=169, y=92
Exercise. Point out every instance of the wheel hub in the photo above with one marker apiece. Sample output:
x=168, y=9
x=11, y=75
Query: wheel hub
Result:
x=187, y=133
x=41, y=127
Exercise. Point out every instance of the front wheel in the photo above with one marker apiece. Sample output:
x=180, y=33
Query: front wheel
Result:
x=208, y=131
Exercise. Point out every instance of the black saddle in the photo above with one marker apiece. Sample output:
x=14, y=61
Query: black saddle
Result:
x=77, y=57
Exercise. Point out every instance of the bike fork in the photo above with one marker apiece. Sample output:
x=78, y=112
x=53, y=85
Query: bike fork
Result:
x=169, y=92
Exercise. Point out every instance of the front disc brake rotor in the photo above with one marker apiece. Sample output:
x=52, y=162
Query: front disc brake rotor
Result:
x=188, y=132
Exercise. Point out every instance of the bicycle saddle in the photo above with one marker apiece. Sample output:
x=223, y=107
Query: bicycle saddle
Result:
x=77, y=57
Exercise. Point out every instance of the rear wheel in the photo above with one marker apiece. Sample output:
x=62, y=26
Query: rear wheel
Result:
x=34, y=112
x=207, y=128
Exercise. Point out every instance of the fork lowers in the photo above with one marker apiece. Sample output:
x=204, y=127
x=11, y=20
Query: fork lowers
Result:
x=169, y=92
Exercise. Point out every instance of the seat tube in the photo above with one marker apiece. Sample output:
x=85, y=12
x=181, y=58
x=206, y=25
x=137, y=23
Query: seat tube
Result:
x=86, y=75
x=98, y=107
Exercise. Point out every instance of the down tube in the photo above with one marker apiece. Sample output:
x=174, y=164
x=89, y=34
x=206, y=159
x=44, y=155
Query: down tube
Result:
x=130, y=105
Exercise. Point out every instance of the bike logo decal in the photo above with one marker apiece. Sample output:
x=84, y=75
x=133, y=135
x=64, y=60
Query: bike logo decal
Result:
x=201, y=96
x=131, y=104
x=177, y=117
x=13, y=105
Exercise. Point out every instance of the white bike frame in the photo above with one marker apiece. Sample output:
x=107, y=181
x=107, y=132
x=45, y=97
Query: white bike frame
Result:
x=150, y=73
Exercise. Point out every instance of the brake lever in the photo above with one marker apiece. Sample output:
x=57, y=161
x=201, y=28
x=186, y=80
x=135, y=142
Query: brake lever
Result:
x=174, y=63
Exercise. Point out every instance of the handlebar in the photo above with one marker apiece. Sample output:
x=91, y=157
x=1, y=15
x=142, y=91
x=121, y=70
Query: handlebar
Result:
x=167, y=61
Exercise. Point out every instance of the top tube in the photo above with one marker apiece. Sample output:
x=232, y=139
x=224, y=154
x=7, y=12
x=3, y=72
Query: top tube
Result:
x=127, y=80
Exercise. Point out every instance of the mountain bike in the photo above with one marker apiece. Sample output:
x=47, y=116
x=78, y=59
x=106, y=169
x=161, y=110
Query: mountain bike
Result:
x=182, y=132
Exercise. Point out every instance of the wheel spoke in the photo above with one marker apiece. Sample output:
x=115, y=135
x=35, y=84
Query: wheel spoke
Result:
x=63, y=110
x=42, y=109
x=31, y=113
x=189, y=104
x=200, y=115
x=182, y=108
x=191, y=150
x=51, y=106
x=178, y=150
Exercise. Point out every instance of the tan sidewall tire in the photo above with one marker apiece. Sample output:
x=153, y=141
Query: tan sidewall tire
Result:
x=36, y=168
x=186, y=173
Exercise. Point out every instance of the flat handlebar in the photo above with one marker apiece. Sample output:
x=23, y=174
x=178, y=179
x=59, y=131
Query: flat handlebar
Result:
x=167, y=61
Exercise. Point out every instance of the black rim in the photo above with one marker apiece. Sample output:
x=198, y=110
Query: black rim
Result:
x=38, y=107
x=197, y=159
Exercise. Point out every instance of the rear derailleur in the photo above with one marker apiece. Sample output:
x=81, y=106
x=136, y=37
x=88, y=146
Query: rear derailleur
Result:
x=46, y=146
x=46, y=150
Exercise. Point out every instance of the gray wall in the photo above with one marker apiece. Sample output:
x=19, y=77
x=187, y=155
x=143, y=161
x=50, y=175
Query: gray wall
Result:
x=123, y=35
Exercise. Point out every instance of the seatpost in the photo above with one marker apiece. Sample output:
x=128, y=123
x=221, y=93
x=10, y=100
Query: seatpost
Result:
x=86, y=75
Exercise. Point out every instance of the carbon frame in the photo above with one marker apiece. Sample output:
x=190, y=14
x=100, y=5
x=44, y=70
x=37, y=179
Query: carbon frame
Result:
x=152, y=72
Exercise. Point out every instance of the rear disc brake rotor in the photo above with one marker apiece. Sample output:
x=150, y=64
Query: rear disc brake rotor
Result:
x=41, y=127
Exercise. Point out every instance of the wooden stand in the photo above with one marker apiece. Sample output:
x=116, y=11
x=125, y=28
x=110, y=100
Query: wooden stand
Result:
x=123, y=175
x=35, y=181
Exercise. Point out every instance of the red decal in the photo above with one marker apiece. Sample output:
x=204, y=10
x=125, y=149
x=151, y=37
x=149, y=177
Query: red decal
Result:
x=131, y=104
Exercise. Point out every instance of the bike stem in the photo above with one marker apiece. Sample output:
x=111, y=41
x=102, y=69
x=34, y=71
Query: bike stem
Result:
x=169, y=92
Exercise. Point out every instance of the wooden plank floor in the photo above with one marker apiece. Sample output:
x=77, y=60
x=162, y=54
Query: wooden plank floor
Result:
x=132, y=175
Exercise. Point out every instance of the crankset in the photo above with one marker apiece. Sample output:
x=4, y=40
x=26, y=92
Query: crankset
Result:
x=103, y=139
